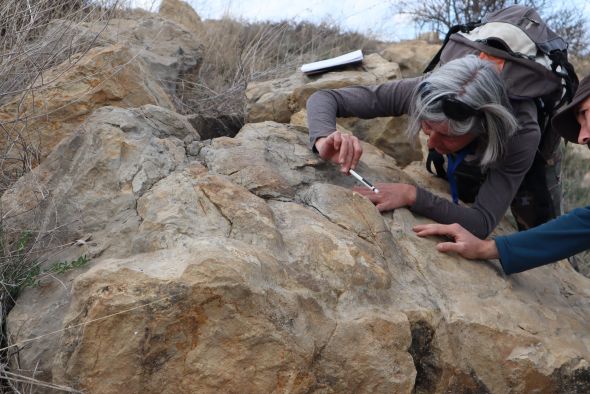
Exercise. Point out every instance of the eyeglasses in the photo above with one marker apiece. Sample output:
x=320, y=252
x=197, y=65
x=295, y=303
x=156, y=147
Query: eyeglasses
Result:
x=452, y=108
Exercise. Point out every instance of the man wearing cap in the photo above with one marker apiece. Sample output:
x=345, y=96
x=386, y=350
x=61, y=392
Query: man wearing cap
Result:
x=560, y=238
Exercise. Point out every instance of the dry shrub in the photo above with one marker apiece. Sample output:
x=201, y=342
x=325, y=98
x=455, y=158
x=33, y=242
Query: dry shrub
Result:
x=582, y=65
x=576, y=164
x=30, y=44
x=236, y=53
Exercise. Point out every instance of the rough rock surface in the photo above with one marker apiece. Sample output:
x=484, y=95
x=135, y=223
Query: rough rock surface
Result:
x=171, y=51
x=182, y=13
x=412, y=56
x=103, y=76
x=248, y=265
x=136, y=62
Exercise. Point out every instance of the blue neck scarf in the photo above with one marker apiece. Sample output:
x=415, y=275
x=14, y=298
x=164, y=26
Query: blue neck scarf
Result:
x=454, y=161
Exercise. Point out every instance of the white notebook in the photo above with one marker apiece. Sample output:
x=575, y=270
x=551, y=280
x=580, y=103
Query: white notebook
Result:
x=335, y=62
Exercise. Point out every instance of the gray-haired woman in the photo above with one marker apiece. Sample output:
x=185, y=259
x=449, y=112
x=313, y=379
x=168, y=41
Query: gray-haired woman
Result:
x=465, y=111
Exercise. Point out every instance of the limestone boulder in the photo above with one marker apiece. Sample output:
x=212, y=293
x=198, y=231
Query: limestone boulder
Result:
x=133, y=63
x=412, y=56
x=91, y=182
x=172, y=51
x=249, y=265
x=181, y=13
x=104, y=76
x=82, y=201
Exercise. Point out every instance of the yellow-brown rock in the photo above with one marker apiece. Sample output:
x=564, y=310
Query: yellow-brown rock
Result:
x=412, y=56
x=250, y=266
x=67, y=94
x=181, y=13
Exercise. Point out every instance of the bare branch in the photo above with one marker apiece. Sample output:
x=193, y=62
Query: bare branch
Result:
x=440, y=15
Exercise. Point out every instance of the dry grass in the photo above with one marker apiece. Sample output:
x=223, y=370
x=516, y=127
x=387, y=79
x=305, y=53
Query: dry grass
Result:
x=30, y=44
x=576, y=165
x=236, y=53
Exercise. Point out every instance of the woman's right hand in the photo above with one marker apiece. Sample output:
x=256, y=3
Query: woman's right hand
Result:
x=340, y=148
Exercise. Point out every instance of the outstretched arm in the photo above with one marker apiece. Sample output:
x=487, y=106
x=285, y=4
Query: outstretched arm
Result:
x=557, y=239
x=552, y=241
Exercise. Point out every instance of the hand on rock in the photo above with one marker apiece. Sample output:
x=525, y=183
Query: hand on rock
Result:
x=390, y=195
x=463, y=242
x=340, y=148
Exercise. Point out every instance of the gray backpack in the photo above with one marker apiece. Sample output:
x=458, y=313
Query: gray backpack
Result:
x=529, y=51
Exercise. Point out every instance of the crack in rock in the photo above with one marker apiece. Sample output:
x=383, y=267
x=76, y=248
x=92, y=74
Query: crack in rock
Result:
x=218, y=207
x=426, y=359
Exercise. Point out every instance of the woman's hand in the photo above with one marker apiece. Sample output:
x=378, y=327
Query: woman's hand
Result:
x=390, y=196
x=464, y=243
x=340, y=148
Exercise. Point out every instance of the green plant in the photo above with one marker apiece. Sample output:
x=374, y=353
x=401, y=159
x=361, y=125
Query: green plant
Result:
x=14, y=267
x=31, y=278
x=61, y=267
x=30, y=44
x=35, y=274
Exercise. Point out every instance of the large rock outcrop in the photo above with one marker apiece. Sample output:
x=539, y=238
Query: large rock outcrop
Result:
x=247, y=264
x=134, y=62
x=181, y=13
x=412, y=55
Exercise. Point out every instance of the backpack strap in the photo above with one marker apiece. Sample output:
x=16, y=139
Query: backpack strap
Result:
x=568, y=74
x=438, y=160
x=466, y=28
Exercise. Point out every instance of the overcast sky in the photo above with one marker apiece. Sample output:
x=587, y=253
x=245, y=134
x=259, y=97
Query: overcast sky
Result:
x=366, y=16
x=363, y=16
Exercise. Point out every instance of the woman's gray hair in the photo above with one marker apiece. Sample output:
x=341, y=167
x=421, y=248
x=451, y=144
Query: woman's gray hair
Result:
x=476, y=83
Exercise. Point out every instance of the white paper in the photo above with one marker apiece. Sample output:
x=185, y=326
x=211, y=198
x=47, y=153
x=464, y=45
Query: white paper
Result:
x=348, y=58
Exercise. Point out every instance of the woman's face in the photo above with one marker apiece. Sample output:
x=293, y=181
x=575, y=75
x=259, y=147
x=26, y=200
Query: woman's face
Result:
x=583, y=118
x=442, y=141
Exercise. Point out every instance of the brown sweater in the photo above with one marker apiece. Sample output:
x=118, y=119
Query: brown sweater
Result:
x=393, y=99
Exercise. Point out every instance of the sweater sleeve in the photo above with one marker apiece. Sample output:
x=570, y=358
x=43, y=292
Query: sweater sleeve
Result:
x=366, y=102
x=552, y=241
x=500, y=186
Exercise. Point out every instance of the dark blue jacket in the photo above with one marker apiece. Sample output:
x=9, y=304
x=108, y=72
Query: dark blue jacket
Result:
x=555, y=240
